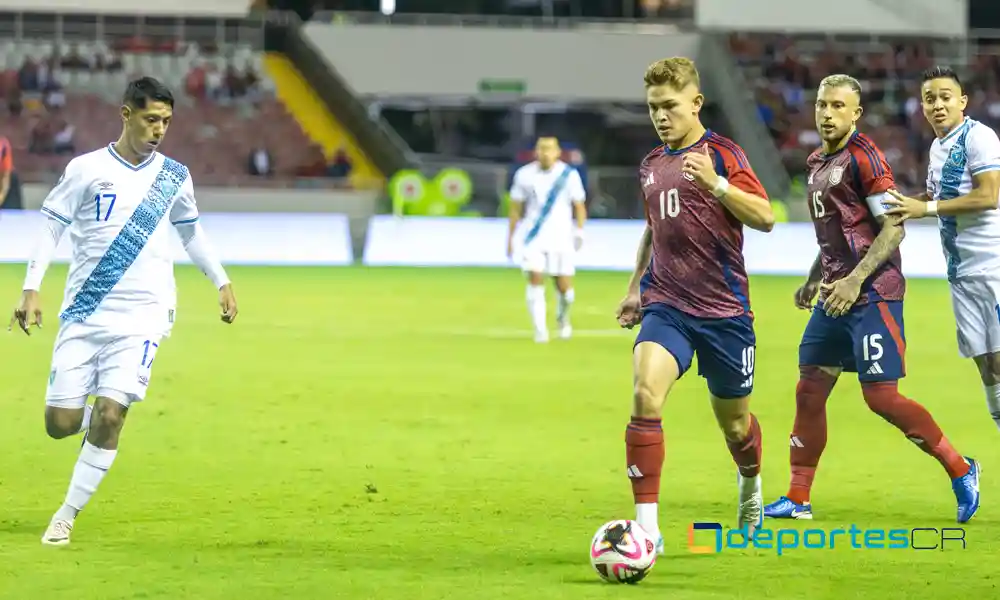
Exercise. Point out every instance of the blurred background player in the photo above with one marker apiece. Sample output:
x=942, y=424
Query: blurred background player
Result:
x=857, y=325
x=690, y=290
x=550, y=195
x=963, y=186
x=120, y=296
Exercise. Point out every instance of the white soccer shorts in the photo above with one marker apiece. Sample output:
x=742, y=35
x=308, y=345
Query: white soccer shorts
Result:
x=555, y=264
x=89, y=361
x=976, y=303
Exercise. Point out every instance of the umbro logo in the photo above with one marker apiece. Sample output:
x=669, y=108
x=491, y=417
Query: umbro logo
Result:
x=105, y=185
x=875, y=369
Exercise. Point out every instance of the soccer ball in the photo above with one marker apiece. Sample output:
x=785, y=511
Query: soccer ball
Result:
x=622, y=552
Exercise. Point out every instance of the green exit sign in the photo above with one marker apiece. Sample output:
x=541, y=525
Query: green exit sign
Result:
x=502, y=86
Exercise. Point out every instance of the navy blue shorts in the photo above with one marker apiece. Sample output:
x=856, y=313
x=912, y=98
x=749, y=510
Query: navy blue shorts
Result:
x=725, y=347
x=869, y=341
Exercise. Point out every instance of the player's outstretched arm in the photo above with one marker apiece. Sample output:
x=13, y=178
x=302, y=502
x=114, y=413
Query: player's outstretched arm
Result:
x=29, y=311
x=984, y=196
x=200, y=250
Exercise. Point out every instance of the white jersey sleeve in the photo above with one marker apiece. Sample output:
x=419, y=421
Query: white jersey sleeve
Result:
x=185, y=209
x=574, y=187
x=518, y=187
x=983, y=147
x=64, y=201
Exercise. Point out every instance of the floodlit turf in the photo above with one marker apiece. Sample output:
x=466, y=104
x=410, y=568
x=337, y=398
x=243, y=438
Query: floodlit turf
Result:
x=395, y=434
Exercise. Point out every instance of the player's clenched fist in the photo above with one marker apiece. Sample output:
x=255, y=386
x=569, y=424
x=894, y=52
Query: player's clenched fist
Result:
x=698, y=164
x=630, y=311
x=28, y=312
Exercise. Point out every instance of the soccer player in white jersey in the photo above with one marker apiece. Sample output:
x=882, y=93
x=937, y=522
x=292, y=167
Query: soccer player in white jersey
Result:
x=963, y=191
x=549, y=194
x=118, y=204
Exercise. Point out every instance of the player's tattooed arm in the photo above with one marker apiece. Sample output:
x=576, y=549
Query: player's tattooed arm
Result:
x=886, y=242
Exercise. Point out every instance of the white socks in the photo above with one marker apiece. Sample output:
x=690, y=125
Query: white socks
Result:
x=536, y=308
x=993, y=402
x=90, y=469
x=645, y=514
x=565, y=302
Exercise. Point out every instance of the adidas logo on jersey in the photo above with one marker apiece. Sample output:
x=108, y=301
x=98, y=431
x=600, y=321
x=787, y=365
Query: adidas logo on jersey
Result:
x=748, y=383
x=634, y=472
x=795, y=442
x=648, y=181
x=875, y=369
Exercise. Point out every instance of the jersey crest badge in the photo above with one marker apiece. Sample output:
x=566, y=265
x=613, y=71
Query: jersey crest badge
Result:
x=836, y=175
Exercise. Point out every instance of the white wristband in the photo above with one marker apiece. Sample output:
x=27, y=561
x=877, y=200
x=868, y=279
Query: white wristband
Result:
x=721, y=188
x=932, y=208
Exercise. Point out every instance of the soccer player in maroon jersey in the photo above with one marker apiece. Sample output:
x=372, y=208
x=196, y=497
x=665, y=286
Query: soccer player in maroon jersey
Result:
x=857, y=325
x=689, y=289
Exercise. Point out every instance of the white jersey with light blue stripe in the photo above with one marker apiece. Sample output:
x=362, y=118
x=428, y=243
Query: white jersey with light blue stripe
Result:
x=119, y=215
x=548, y=195
x=971, y=242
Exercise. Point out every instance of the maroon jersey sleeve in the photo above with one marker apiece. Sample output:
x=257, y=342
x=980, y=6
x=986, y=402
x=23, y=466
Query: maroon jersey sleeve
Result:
x=733, y=164
x=873, y=172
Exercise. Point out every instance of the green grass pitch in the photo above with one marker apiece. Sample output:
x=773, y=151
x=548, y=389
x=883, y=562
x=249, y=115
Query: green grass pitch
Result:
x=395, y=434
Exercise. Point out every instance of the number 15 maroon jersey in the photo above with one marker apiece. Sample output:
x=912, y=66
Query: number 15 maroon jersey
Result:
x=697, y=262
x=840, y=185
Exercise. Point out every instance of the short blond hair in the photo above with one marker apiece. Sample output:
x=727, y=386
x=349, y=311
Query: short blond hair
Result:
x=677, y=72
x=841, y=80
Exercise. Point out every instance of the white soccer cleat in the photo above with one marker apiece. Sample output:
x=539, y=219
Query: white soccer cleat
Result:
x=541, y=337
x=58, y=533
x=750, y=513
x=565, y=331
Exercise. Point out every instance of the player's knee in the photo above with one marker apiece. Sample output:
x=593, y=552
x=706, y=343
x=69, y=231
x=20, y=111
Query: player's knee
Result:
x=108, y=418
x=57, y=428
x=989, y=368
x=880, y=396
x=647, y=402
x=733, y=417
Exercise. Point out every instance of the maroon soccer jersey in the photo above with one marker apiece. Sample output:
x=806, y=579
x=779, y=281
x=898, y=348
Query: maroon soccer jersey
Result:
x=697, y=260
x=839, y=187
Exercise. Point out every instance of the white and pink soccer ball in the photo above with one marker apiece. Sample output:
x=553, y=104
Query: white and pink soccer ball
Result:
x=622, y=552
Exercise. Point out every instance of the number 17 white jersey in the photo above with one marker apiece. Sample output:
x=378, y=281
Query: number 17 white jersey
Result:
x=121, y=272
x=971, y=242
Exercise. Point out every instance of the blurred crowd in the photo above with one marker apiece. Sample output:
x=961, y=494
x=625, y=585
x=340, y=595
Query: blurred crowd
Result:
x=594, y=9
x=49, y=97
x=785, y=72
